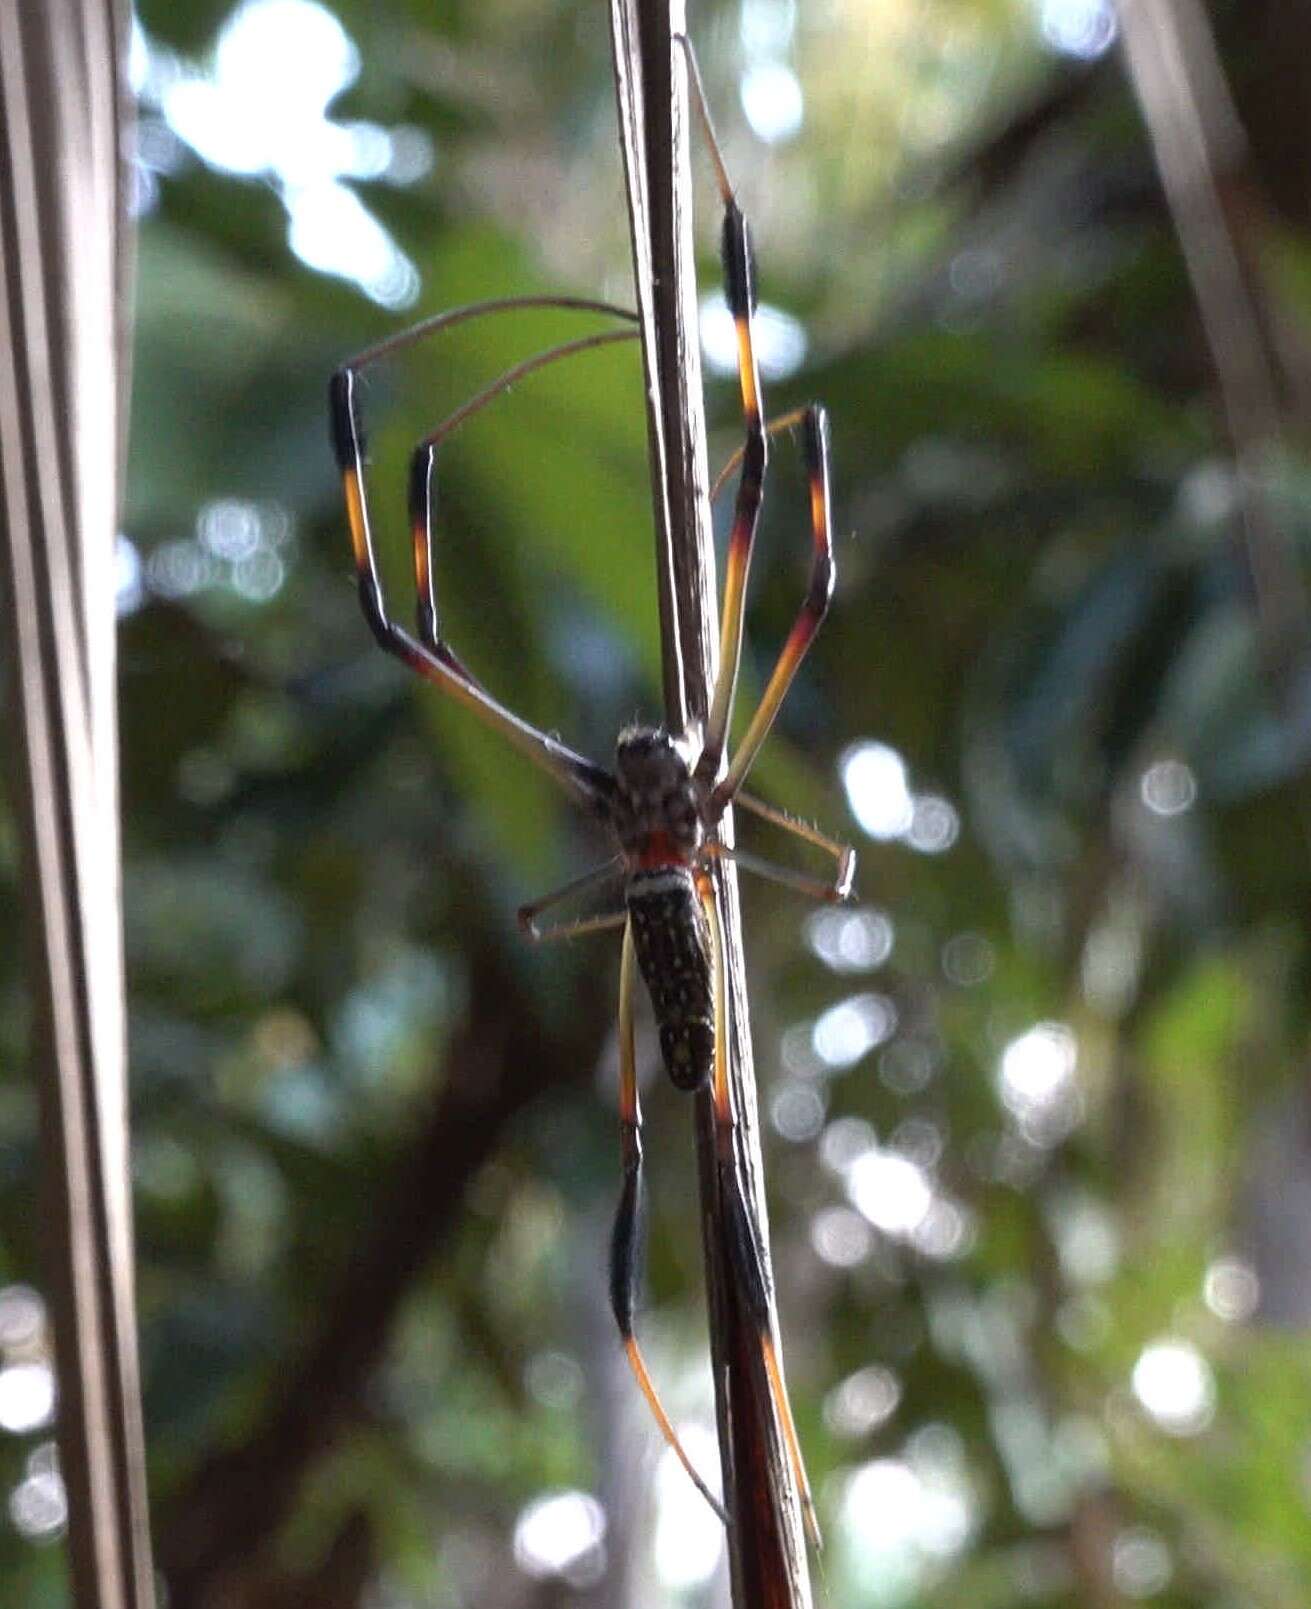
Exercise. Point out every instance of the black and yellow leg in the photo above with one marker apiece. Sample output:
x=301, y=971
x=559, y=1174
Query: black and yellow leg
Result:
x=428, y=655
x=423, y=468
x=744, y=1249
x=740, y=294
x=785, y=421
x=626, y=1240
x=423, y=474
x=816, y=448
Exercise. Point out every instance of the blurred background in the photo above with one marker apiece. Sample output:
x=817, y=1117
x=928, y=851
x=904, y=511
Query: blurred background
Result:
x=1037, y=1120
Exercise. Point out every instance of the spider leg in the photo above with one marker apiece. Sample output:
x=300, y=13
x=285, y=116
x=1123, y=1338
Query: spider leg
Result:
x=743, y=1246
x=626, y=1240
x=785, y=421
x=393, y=344
x=740, y=293
x=843, y=854
x=528, y=914
x=423, y=466
x=815, y=439
x=826, y=893
x=589, y=784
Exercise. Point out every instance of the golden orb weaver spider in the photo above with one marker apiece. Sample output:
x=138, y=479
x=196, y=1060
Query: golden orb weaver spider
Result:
x=665, y=798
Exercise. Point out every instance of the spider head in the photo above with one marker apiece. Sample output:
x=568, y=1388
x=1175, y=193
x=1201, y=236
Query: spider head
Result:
x=656, y=792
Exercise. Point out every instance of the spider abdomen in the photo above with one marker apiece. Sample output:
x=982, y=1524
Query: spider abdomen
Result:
x=671, y=936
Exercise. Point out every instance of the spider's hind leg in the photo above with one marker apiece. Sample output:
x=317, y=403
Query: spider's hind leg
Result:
x=744, y=1250
x=626, y=1240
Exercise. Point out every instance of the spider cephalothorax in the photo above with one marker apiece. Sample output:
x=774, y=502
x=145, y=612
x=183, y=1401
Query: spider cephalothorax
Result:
x=656, y=809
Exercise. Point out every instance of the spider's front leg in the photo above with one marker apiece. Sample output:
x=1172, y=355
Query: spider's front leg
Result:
x=740, y=293
x=815, y=442
x=590, y=785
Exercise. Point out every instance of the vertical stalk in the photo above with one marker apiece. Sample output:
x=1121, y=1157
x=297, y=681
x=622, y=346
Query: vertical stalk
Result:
x=1201, y=156
x=63, y=267
x=766, y=1547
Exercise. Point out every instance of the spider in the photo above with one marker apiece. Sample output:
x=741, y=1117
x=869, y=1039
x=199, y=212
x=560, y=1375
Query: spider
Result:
x=664, y=801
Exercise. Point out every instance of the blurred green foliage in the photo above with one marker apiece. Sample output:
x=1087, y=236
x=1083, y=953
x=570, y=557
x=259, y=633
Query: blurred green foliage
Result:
x=1037, y=1196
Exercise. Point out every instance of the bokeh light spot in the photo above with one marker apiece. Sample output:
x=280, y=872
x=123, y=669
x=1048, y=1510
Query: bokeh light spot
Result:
x=22, y=1316
x=1174, y=1383
x=850, y=1030
x=841, y=1237
x=560, y=1535
x=796, y=1110
x=1168, y=788
x=878, y=790
x=1140, y=1563
x=934, y=824
x=1036, y=1081
x=773, y=102
x=27, y=1397
x=850, y=940
x=862, y=1402
x=1084, y=29
x=1232, y=1289
x=38, y=1506
x=893, y=1192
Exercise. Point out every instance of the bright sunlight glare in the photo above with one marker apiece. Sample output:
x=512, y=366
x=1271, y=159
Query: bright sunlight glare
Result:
x=1084, y=29
x=878, y=789
x=558, y=1535
x=27, y=1397
x=249, y=115
x=1036, y=1081
x=773, y=101
x=890, y=1190
x=1174, y=1383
